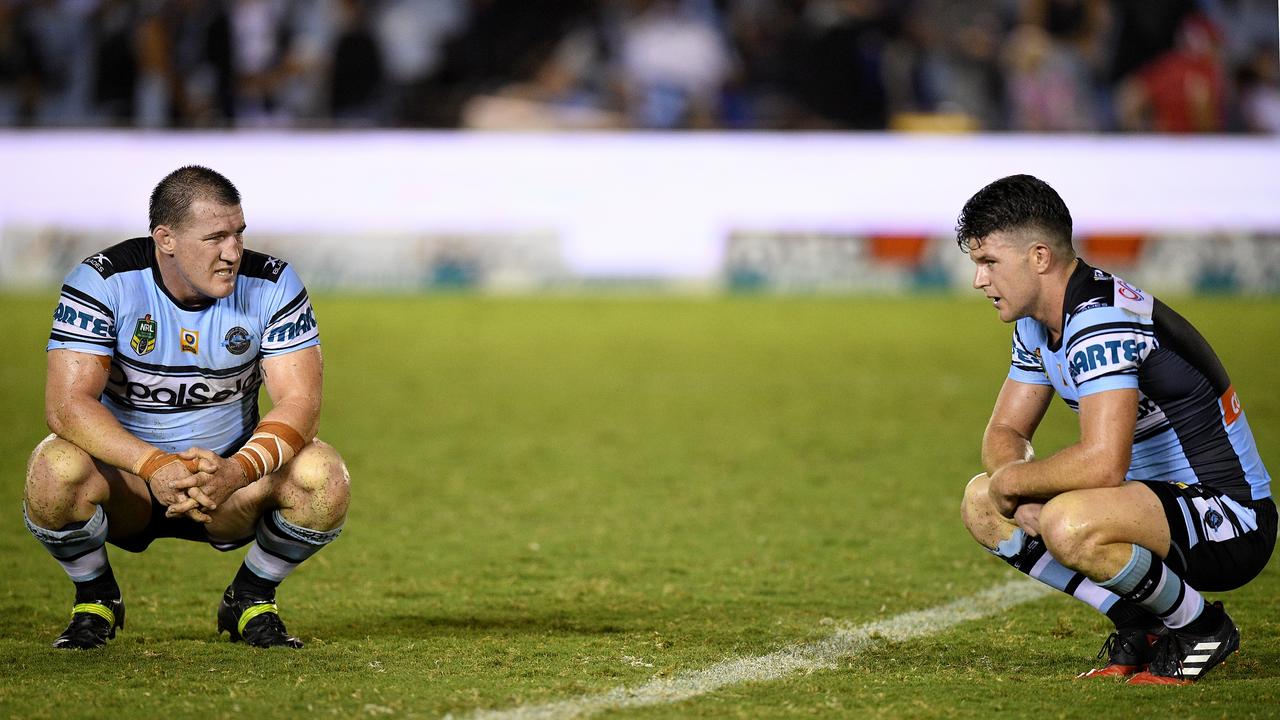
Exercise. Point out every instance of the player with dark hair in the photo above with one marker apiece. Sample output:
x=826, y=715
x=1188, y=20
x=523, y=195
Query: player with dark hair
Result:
x=1163, y=497
x=158, y=349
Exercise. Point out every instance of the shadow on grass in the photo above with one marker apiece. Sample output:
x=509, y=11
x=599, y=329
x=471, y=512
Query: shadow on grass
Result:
x=437, y=625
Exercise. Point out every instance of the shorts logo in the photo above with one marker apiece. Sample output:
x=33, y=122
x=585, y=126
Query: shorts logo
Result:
x=190, y=341
x=1213, y=519
x=144, y=336
x=237, y=340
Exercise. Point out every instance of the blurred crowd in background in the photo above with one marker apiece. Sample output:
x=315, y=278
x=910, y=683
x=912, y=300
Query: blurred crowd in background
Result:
x=1176, y=66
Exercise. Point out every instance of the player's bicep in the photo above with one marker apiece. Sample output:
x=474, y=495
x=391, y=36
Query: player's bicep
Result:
x=1107, y=420
x=297, y=377
x=1020, y=407
x=72, y=376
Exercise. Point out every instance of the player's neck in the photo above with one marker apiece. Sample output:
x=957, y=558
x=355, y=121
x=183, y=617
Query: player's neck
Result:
x=1054, y=294
x=177, y=286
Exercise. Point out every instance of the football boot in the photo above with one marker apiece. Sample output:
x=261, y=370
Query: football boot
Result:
x=93, y=623
x=1182, y=658
x=253, y=620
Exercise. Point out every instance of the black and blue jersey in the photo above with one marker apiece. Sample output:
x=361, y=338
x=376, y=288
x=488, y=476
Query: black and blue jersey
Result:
x=1191, y=427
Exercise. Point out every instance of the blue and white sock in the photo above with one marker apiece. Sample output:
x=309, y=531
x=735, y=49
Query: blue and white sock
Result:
x=279, y=548
x=1029, y=555
x=80, y=548
x=1149, y=583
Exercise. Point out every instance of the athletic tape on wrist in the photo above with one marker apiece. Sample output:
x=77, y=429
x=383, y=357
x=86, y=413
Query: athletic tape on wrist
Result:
x=272, y=445
x=157, y=459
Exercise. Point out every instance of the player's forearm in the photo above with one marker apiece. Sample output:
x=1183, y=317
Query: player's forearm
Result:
x=1002, y=445
x=301, y=414
x=88, y=425
x=1076, y=467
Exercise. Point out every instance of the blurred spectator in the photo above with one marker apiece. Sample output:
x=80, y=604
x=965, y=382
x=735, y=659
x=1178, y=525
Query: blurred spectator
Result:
x=61, y=60
x=204, y=78
x=356, y=94
x=1258, y=83
x=155, y=82
x=970, y=72
x=912, y=65
x=566, y=92
x=16, y=79
x=115, y=62
x=672, y=63
x=413, y=36
x=1047, y=85
x=833, y=64
x=1145, y=30
x=1183, y=90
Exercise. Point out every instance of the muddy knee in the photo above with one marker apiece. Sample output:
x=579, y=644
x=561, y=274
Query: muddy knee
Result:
x=59, y=479
x=317, y=488
x=978, y=513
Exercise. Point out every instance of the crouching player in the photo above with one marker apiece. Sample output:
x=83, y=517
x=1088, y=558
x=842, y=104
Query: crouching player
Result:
x=158, y=348
x=1164, y=496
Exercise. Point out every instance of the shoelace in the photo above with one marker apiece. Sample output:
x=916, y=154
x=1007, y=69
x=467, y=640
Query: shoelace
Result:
x=1109, y=646
x=1168, y=659
x=1115, y=645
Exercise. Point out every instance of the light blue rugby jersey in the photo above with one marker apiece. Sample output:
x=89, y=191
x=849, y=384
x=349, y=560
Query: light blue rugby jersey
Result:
x=182, y=376
x=1191, y=427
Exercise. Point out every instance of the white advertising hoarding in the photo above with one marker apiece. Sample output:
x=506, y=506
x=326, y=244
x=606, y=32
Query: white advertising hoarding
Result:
x=627, y=204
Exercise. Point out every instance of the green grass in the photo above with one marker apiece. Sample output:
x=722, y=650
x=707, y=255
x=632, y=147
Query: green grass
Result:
x=548, y=490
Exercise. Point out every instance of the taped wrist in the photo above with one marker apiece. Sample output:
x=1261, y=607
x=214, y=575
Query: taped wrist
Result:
x=155, y=460
x=272, y=445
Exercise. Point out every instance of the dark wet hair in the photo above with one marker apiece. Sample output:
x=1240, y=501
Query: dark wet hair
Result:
x=172, y=198
x=1011, y=203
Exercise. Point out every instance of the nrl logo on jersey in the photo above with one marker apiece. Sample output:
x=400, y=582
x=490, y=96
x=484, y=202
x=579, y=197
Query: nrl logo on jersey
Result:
x=144, y=336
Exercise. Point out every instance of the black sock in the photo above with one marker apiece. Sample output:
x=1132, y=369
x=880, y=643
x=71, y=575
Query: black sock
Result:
x=103, y=587
x=1128, y=615
x=249, y=584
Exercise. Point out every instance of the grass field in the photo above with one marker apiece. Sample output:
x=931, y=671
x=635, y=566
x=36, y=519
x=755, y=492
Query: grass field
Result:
x=556, y=497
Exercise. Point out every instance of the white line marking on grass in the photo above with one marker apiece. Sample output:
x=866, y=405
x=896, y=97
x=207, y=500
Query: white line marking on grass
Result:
x=824, y=654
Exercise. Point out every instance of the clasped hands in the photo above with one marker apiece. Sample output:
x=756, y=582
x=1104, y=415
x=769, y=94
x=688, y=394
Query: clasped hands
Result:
x=1024, y=511
x=198, y=485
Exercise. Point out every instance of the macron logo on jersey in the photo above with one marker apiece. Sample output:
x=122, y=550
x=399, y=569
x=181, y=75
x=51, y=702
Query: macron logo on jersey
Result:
x=300, y=326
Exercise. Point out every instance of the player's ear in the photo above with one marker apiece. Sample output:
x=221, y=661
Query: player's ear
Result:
x=1041, y=257
x=166, y=241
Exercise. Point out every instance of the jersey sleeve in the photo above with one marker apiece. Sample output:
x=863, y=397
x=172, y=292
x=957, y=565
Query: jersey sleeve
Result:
x=291, y=323
x=1026, y=366
x=84, y=320
x=1105, y=346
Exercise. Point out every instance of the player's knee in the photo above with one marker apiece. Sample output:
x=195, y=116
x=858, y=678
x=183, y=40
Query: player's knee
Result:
x=57, y=465
x=976, y=503
x=1068, y=532
x=319, y=469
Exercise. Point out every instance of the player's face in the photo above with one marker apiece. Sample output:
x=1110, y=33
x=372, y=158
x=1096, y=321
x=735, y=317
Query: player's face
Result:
x=207, y=249
x=1004, y=274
